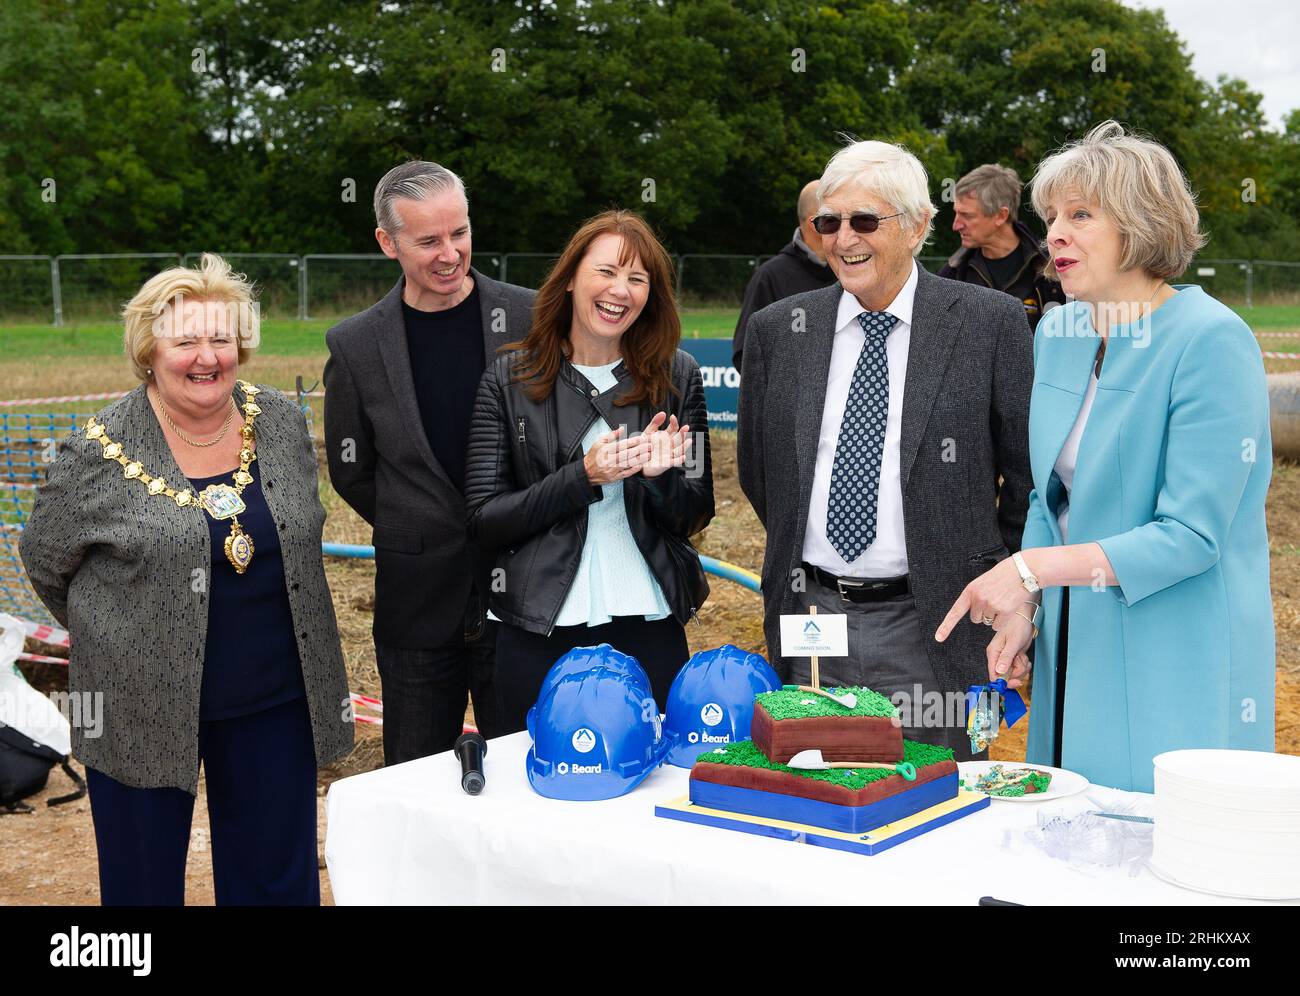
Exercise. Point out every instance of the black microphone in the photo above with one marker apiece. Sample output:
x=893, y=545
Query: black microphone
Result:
x=470, y=750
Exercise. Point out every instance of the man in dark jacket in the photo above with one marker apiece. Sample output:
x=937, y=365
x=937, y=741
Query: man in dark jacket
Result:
x=998, y=250
x=799, y=267
x=400, y=385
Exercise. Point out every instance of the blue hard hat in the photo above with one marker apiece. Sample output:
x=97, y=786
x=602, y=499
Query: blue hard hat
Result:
x=581, y=659
x=711, y=701
x=598, y=735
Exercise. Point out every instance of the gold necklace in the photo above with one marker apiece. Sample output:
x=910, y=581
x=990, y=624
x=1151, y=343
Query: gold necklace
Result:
x=221, y=501
x=225, y=426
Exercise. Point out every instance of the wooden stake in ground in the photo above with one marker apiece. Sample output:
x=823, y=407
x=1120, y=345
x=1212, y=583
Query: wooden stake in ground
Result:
x=816, y=671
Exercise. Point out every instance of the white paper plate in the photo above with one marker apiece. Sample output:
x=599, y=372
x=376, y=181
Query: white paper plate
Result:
x=1172, y=879
x=1064, y=783
x=1237, y=771
x=1229, y=798
x=1214, y=798
x=1233, y=846
x=1183, y=813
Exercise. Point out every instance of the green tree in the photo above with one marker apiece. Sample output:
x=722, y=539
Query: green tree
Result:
x=263, y=125
x=1008, y=82
x=42, y=133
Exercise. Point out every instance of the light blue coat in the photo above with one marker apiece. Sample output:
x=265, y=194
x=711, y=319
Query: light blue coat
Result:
x=1171, y=475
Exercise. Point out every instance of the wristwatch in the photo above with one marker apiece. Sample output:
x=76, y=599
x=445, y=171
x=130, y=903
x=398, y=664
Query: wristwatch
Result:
x=1026, y=578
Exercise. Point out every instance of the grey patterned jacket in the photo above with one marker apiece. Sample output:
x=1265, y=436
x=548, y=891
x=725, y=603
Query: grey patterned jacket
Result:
x=126, y=572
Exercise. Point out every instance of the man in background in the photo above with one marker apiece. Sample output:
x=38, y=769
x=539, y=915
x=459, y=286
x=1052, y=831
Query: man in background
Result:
x=997, y=249
x=799, y=267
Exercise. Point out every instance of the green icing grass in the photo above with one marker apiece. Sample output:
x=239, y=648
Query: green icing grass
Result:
x=745, y=754
x=805, y=705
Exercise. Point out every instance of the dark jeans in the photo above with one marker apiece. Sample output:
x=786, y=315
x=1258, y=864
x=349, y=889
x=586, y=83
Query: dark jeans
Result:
x=425, y=691
x=260, y=772
x=523, y=658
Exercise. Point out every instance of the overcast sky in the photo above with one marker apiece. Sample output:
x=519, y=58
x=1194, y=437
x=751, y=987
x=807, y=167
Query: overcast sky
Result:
x=1258, y=40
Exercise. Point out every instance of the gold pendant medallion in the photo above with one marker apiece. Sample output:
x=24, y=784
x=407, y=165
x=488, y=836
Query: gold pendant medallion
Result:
x=239, y=548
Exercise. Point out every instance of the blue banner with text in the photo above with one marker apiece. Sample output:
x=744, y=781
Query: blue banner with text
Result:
x=721, y=379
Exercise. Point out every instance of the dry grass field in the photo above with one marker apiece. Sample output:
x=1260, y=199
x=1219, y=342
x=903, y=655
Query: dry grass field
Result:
x=48, y=856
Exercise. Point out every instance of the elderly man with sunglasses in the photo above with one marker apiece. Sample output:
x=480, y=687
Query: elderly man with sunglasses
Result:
x=883, y=443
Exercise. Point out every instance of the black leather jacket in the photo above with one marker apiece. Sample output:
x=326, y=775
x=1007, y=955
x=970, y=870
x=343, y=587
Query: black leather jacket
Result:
x=527, y=490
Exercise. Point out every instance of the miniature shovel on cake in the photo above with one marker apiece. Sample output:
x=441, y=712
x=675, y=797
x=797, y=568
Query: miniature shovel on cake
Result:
x=812, y=760
x=848, y=700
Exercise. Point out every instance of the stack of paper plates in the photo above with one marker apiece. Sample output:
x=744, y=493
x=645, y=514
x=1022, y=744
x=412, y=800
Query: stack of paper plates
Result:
x=1228, y=822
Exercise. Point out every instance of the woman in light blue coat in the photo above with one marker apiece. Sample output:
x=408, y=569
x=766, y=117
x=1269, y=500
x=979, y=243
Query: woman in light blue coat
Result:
x=1151, y=457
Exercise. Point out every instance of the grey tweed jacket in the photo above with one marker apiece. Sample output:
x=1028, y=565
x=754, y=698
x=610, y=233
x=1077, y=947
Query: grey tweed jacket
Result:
x=126, y=572
x=964, y=460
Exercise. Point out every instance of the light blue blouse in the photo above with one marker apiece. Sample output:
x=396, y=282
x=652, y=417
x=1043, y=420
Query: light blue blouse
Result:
x=613, y=578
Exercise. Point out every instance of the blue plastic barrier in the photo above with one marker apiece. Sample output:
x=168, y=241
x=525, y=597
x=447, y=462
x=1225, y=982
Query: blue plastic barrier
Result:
x=719, y=568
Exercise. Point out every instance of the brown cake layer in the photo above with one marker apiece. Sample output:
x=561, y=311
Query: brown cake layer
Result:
x=839, y=738
x=788, y=783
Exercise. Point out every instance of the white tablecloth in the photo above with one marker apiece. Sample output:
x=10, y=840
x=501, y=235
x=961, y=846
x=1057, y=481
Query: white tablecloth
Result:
x=408, y=835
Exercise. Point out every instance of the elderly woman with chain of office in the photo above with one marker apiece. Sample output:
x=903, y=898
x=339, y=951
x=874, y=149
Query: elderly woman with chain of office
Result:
x=177, y=537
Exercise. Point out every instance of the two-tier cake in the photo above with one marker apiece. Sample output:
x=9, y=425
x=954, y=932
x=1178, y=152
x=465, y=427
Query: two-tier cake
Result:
x=840, y=791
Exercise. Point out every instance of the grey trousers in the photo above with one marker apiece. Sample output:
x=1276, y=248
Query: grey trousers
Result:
x=887, y=653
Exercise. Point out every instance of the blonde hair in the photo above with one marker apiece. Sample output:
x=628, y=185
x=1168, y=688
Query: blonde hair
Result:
x=213, y=283
x=891, y=173
x=1139, y=184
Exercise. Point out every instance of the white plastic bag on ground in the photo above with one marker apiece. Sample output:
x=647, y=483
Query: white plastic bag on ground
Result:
x=34, y=734
x=22, y=706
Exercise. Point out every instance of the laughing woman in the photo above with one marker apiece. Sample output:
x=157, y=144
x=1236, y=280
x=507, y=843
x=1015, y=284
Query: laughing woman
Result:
x=177, y=537
x=1151, y=456
x=588, y=467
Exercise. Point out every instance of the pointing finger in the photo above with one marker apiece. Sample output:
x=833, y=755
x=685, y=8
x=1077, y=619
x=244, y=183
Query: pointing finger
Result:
x=958, y=609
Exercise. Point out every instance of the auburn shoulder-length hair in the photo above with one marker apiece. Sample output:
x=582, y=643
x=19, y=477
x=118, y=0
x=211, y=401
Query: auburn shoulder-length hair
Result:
x=649, y=344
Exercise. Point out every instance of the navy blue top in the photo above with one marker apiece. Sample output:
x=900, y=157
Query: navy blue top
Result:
x=446, y=349
x=250, y=660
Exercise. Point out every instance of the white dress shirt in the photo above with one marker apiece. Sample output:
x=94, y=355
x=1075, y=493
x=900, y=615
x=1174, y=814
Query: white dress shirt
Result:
x=887, y=555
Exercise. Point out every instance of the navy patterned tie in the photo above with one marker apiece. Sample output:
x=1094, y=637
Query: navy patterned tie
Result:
x=855, y=474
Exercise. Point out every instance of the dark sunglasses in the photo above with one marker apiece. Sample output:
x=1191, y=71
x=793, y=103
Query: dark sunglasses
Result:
x=859, y=221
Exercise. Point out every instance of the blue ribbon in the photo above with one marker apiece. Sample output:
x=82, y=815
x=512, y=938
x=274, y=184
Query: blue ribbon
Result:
x=1015, y=705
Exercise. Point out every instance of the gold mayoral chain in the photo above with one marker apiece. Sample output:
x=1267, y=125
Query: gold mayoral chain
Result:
x=221, y=501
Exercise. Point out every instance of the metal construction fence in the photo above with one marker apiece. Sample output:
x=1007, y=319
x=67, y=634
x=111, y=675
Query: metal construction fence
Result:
x=29, y=442
x=27, y=445
x=92, y=287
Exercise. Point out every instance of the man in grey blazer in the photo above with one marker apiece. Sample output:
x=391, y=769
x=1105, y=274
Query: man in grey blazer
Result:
x=400, y=384
x=883, y=443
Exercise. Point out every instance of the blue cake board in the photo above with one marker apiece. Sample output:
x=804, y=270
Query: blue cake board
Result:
x=872, y=842
x=826, y=815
